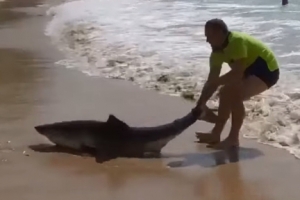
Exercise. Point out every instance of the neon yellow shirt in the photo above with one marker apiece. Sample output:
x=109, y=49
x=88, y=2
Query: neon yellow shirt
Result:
x=241, y=45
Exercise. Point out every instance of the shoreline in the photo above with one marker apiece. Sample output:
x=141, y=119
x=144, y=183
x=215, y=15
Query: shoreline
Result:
x=91, y=51
x=35, y=91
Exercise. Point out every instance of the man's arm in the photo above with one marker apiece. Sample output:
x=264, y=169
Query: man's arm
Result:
x=234, y=75
x=239, y=54
x=207, y=92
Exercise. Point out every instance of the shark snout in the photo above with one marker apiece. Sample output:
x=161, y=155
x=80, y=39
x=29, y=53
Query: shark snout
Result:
x=42, y=129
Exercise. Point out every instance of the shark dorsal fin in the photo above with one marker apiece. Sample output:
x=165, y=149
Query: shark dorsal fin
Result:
x=116, y=123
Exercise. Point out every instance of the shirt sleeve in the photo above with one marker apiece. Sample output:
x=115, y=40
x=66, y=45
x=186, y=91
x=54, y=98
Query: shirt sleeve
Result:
x=238, y=49
x=215, y=60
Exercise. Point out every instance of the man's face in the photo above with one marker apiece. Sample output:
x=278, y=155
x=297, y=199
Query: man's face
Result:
x=214, y=36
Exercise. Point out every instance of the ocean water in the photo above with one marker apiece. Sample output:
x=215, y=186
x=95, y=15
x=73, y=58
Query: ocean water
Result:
x=141, y=40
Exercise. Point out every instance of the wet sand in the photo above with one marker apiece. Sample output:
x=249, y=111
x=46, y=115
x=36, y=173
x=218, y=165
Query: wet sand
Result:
x=34, y=91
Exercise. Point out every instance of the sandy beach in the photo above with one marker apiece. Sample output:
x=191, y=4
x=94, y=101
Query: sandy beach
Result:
x=34, y=90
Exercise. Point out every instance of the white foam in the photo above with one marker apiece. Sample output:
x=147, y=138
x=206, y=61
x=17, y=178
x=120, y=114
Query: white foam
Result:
x=290, y=54
x=141, y=40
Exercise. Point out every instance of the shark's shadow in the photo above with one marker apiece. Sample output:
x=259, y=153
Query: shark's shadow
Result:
x=208, y=160
x=49, y=148
x=85, y=152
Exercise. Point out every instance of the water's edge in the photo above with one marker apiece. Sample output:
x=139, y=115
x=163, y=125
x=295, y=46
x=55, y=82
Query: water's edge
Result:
x=95, y=43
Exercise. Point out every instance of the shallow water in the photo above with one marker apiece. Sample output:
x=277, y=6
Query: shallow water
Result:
x=141, y=40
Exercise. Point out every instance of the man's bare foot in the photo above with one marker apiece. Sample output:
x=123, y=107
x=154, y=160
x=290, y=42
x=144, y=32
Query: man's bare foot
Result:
x=225, y=144
x=208, y=138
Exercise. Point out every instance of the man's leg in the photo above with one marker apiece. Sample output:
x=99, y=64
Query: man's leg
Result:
x=221, y=119
x=250, y=87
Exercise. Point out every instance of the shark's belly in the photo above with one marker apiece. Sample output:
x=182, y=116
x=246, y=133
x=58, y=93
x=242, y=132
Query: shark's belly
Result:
x=81, y=140
x=88, y=142
x=156, y=146
x=73, y=144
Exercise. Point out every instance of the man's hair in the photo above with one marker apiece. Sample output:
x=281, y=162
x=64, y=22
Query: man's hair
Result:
x=217, y=24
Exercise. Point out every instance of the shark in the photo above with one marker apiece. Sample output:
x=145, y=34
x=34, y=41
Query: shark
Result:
x=114, y=138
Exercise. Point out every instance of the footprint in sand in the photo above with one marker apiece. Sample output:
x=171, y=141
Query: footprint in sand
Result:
x=6, y=147
x=3, y=160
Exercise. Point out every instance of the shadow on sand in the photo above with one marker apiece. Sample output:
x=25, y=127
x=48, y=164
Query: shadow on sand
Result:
x=85, y=152
x=211, y=159
x=216, y=158
x=48, y=148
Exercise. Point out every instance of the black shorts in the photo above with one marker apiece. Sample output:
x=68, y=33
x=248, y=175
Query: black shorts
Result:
x=259, y=68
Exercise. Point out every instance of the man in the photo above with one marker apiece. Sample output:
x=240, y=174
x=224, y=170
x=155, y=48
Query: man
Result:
x=254, y=69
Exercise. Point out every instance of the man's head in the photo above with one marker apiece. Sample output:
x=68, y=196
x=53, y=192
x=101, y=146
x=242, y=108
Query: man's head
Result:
x=216, y=32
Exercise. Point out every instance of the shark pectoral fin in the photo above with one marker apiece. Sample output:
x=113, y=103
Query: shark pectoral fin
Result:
x=154, y=154
x=100, y=158
x=105, y=153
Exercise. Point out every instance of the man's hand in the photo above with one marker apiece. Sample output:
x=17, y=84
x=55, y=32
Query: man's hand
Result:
x=207, y=91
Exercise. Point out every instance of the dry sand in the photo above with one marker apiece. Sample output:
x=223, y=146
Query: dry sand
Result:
x=33, y=90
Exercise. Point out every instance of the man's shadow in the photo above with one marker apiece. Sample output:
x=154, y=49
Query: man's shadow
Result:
x=216, y=158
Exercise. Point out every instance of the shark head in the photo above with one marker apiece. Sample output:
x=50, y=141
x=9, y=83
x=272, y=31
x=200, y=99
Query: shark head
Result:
x=76, y=134
x=59, y=136
x=73, y=134
x=48, y=130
